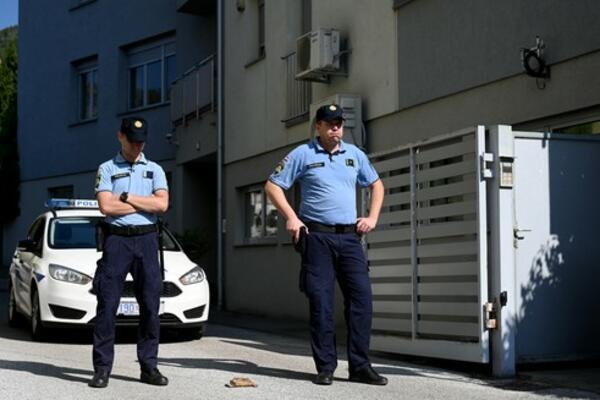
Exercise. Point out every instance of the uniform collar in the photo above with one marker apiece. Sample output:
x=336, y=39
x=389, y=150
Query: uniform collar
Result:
x=317, y=144
x=120, y=159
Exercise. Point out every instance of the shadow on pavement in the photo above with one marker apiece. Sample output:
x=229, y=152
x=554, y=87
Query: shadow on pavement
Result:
x=235, y=366
x=53, y=371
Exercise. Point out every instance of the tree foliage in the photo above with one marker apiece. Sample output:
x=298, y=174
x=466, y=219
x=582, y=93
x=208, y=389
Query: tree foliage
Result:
x=9, y=159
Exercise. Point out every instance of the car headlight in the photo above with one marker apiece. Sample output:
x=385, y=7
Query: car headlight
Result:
x=195, y=275
x=65, y=274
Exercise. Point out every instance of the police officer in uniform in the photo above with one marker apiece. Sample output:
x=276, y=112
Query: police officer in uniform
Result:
x=327, y=234
x=131, y=191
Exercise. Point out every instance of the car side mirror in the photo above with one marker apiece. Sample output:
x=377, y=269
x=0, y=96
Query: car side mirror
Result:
x=26, y=245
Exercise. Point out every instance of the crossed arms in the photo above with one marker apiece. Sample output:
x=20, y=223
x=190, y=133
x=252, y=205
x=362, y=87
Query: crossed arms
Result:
x=110, y=204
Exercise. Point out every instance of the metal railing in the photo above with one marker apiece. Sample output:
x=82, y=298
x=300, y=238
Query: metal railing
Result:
x=194, y=92
x=298, y=94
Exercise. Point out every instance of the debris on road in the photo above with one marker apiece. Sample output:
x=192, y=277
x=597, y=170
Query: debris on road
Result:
x=241, y=382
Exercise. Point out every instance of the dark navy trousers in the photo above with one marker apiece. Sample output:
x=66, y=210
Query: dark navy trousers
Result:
x=325, y=258
x=139, y=256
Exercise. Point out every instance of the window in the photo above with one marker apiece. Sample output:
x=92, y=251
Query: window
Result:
x=85, y=73
x=151, y=70
x=587, y=128
x=61, y=192
x=88, y=94
x=260, y=215
x=261, y=28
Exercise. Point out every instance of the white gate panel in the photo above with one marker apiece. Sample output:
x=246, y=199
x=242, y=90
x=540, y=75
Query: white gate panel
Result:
x=428, y=257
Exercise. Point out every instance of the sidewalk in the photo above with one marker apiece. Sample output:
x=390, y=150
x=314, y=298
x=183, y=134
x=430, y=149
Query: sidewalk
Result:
x=582, y=375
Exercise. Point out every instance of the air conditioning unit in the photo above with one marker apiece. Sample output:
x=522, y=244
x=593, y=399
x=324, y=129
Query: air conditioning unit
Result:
x=317, y=54
x=353, y=125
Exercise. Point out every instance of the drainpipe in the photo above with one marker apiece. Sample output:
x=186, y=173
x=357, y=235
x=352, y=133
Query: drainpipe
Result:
x=220, y=112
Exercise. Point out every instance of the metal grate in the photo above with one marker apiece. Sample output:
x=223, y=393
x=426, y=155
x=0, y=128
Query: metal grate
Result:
x=169, y=289
x=194, y=92
x=298, y=94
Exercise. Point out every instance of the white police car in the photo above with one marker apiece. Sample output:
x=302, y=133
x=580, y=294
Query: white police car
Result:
x=52, y=269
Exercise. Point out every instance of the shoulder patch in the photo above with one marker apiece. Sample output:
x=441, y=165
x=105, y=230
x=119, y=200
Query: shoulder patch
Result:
x=279, y=167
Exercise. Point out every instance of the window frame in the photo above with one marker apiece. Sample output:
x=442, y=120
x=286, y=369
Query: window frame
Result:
x=93, y=100
x=165, y=86
x=264, y=238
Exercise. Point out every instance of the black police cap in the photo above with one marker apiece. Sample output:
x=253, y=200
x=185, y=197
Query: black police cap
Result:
x=329, y=112
x=135, y=129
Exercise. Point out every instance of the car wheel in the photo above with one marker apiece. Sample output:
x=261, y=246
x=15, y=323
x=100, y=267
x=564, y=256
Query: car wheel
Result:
x=37, y=330
x=13, y=316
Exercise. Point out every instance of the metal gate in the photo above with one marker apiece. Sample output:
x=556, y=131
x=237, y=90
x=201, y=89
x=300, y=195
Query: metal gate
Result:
x=428, y=256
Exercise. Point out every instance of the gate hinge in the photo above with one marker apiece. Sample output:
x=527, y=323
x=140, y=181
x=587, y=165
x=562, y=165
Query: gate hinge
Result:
x=484, y=159
x=490, y=315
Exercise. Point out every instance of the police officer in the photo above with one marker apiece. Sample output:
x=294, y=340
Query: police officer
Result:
x=131, y=191
x=327, y=234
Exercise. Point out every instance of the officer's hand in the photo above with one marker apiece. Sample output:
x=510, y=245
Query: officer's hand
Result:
x=365, y=225
x=293, y=227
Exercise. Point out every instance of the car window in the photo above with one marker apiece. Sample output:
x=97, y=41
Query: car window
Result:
x=73, y=233
x=80, y=233
x=36, y=233
x=169, y=242
x=33, y=228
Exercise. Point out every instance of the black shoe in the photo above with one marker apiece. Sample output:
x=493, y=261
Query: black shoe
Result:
x=324, y=378
x=154, y=377
x=99, y=380
x=368, y=375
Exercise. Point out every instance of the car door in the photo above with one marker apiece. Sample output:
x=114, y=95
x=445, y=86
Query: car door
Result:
x=28, y=260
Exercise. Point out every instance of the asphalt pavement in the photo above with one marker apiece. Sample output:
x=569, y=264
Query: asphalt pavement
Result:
x=273, y=354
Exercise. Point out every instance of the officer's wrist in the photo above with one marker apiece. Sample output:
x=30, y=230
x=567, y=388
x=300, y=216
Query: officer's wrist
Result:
x=124, y=196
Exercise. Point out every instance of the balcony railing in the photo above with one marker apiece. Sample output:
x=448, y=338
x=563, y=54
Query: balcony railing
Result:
x=194, y=92
x=298, y=94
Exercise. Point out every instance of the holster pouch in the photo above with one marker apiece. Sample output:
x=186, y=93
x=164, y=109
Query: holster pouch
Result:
x=300, y=245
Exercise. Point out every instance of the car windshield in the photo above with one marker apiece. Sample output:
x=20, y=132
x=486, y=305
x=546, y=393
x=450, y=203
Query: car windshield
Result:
x=80, y=233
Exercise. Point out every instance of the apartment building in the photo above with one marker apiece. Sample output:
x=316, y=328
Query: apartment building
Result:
x=405, y=70
x=86, y=64
x=420, y=68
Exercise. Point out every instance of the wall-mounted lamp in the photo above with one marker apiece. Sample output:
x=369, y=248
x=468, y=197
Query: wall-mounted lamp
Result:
x=533, y=60
x=240, y=5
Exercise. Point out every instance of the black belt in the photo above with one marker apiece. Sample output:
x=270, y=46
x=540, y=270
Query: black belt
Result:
x=129, y=230
x=337, y=228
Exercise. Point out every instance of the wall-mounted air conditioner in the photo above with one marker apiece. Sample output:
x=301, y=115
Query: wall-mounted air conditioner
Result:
x=353, y=125
x=317, y=55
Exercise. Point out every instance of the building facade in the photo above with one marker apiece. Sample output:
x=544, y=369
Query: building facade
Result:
x=86, y=64
x=421, y=68
x=413, y=69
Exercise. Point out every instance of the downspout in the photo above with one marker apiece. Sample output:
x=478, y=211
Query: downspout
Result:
x=220, y=112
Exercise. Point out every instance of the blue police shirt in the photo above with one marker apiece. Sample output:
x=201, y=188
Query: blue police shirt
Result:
x=141, y=178
x=327, y=181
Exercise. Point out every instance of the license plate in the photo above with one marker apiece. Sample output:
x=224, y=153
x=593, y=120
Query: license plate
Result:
x=133, y=308
x=128, y=308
